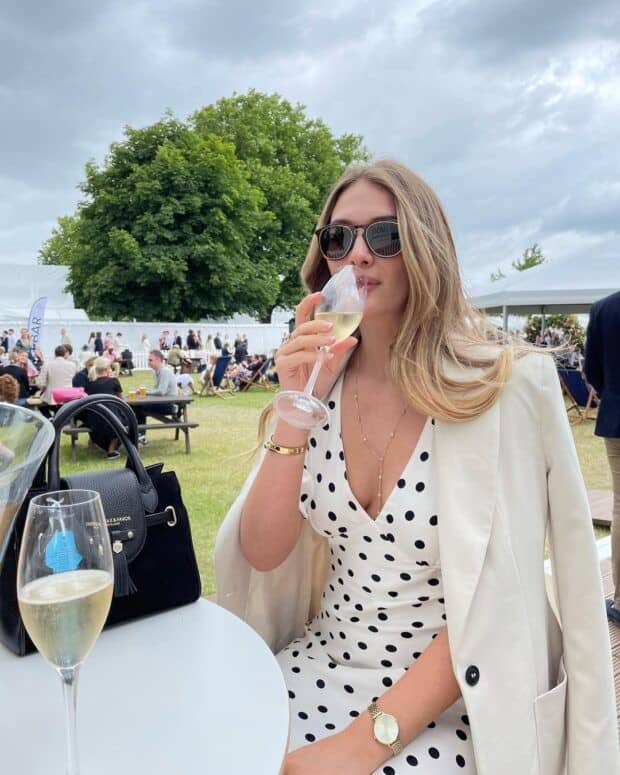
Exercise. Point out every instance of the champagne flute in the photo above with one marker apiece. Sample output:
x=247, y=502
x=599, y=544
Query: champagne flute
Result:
x=342, y=304
x=65, y=577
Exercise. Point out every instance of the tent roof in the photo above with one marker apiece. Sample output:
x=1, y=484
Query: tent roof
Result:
x=572, y=285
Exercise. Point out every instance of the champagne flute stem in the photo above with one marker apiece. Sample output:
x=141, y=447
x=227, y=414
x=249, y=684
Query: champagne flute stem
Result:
x=315, y=371
x=69, y=678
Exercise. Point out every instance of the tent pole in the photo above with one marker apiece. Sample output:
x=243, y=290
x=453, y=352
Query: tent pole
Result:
x=542, y=322
x=505, y=314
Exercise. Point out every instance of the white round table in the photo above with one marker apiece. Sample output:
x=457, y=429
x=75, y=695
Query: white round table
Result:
x=192, y=691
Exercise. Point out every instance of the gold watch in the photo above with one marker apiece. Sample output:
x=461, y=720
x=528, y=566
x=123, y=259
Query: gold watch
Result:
x=385, y=728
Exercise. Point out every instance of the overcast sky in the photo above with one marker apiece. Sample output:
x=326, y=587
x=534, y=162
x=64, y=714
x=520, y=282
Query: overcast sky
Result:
x=510, y=109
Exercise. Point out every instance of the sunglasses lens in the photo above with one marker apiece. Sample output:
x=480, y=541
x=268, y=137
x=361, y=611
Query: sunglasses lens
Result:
x=335, y=242
x=383, y=238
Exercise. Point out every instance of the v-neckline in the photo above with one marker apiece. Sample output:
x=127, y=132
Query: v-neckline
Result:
x=402, y=474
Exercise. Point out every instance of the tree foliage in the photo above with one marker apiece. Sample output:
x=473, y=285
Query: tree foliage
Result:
x=205, y=218
x=293, y=160
x=531, y=257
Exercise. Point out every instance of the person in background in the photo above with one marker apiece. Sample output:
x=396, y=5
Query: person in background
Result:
x=165, y=385
x=217, y=341
x=192, y=340
x=90, y=344
x=17, y=368
x=241, y=351
x=4, y=356
x=602, y=370
x=26, y=343
x=145, y=344
x=70, y=356
x=98, y=344
x=81, y=377
x=174, y=357
x=65, y=339
x=57, y=373
x=100, y=382
x=177, y=339
x=9, y=389
x=185, y=383
x=11, y=339
x=113, y=357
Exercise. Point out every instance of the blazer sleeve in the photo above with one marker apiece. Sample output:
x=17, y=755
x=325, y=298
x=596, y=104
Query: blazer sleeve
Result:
x=593, y=366
x=592, y=742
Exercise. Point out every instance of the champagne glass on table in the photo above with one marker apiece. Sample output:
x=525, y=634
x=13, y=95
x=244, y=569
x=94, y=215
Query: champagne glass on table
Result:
x=342, y=304
x=64, y=587
x=25, y=438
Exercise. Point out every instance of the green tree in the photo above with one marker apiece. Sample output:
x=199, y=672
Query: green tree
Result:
x=63, y=244
x=165, y=230
x=495, y=276
x=293, y=160
x=531, y=257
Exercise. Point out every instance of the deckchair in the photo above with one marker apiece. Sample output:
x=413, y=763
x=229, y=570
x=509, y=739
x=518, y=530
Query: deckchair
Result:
x=259, y=378
x=582, y=398
x=216, y=383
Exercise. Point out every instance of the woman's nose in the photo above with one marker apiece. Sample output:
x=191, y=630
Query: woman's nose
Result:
x=360, y=254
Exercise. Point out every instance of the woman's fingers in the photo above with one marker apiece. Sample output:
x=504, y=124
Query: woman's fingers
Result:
x=303, y=311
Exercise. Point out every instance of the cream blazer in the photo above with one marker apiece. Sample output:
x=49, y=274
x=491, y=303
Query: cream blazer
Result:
x=544, y=702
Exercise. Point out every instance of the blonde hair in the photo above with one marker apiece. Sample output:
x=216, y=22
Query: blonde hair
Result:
x=99, y=366
x=440, y=328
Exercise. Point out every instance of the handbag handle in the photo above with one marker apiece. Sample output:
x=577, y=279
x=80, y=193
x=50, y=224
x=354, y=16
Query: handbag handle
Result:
x=101, y=405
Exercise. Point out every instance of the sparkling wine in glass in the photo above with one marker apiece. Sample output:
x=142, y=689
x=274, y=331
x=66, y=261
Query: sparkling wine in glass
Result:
x=64, y=587
x=343, y=305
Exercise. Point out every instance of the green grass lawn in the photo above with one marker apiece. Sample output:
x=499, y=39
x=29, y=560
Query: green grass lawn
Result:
x=212, y=475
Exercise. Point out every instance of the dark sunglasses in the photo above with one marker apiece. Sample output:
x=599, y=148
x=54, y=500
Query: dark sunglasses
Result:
x=337, y=239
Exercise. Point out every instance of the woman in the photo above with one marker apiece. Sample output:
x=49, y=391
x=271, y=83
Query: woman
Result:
x=101, y=381
x=394, y=557
x=145, y=344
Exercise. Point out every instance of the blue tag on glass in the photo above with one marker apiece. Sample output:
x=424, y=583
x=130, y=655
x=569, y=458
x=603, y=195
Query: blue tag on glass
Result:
x=61, y=554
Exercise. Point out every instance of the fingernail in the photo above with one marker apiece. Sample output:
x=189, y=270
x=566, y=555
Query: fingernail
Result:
x=330, y=339
x=326, y=325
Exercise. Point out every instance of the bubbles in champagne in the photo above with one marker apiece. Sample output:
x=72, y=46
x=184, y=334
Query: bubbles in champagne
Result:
x=65, y=613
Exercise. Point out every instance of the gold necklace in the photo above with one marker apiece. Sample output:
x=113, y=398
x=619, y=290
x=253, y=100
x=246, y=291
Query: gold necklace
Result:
x=380, y=457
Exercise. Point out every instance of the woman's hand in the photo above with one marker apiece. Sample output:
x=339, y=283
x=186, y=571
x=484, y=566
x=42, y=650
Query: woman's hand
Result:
x=334, y=755
x=296, y=357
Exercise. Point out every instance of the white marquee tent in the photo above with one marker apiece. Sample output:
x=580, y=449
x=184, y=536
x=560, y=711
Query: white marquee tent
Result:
x=569, y=286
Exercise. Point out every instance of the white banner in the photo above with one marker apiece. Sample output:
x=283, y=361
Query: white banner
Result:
x=35, y=321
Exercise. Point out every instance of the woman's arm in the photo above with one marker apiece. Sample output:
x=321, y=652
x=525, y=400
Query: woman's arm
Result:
x=271, y=522
x=419, y=697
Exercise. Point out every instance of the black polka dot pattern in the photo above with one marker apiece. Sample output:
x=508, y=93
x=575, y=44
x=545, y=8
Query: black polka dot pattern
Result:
x=381, y=607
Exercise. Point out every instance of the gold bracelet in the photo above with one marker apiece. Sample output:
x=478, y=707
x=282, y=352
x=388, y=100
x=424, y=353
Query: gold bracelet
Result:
x=279, y=449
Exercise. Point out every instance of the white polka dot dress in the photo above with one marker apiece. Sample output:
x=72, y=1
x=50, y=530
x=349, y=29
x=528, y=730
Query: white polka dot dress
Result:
x=381, y=607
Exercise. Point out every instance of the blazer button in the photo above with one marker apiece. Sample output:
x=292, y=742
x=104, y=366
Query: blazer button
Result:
x=472, y=675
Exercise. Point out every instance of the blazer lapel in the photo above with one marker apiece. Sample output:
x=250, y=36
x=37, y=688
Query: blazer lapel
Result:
x=466, y=458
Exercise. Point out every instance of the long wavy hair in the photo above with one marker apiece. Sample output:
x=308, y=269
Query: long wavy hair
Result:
x=448, y=360
x=442, y=334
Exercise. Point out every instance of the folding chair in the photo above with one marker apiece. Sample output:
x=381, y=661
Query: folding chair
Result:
x=216, y=383
x=259, y=378
x=581, y=396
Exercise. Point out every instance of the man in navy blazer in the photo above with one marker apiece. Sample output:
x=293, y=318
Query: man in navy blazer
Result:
x=602, y=369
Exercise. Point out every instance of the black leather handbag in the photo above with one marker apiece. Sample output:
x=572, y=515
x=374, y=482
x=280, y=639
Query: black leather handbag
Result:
x=154, y=562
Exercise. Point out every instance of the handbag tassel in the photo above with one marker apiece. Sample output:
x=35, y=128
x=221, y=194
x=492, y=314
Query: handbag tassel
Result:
x=123, y=583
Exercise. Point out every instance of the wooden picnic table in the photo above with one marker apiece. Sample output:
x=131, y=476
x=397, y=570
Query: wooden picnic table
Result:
x=179, y=422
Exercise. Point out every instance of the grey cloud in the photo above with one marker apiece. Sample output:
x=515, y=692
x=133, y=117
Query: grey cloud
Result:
x=508, y=30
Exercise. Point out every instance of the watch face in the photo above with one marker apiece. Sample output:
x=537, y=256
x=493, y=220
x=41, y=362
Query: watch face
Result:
x=386, y=729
